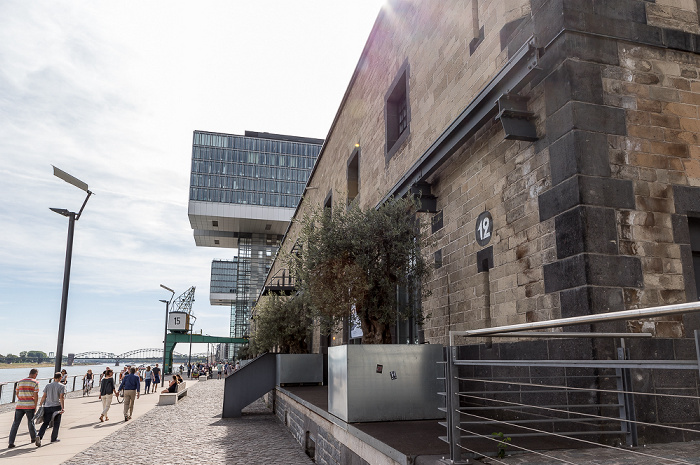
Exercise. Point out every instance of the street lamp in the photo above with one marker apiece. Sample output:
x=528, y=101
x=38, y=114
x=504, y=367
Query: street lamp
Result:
x=72, y=218
x=189, y=357
x=165, y=331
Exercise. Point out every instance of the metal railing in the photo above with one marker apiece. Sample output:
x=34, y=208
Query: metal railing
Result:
x=527, y=405
x=71, y=386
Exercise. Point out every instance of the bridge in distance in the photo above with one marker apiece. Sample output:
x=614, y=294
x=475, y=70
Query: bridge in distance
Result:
x=138, y=355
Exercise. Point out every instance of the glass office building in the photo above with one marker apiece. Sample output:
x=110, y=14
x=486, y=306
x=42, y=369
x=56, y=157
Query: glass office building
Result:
x=243, y=193
x=250, y=170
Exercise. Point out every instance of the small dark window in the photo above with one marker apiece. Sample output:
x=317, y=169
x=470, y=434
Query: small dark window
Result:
x=436, y=222
x=402, y=110
x=438, y=258
x=397, y=112
x=354, y=175
x=215, y=224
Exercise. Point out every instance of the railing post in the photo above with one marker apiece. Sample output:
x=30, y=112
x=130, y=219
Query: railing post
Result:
x=1, y=386
x=697, y=346
x=454, y=436
x=74, y=383
x=14, y=392
x=628, y=418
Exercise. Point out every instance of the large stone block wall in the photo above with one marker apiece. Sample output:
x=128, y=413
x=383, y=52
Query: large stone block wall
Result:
x=590, y=218
x=505, y=178
x=323, y=440
x=446, y=71
x=660, y=92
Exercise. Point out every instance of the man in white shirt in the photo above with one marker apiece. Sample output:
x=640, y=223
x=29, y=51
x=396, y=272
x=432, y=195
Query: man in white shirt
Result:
x=53, y=401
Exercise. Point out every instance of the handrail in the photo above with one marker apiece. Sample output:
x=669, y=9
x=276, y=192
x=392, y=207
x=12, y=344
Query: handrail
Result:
x=625, y=423
x=650, y=312
x=14, y=389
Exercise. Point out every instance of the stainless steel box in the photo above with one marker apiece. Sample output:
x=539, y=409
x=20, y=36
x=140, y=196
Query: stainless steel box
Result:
x=299, y=368
x=385, y=382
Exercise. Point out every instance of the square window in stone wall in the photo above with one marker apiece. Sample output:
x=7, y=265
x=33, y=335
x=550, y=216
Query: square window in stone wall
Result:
x=397, y=112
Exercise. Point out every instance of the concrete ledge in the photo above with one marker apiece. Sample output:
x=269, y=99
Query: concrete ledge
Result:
x=168, y=399
x=367, y=448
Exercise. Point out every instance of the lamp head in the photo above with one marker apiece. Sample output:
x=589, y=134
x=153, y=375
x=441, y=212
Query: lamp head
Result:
x=60, y=211
x=70, y=179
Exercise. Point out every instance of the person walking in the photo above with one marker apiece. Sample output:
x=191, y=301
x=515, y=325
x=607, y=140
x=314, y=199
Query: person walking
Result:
x=107, y=390
x=27, y=396
x=156, y=377
x=53, y=401
x=147, y=378
x=104, y=373
x=132, y=391
x=189, y=370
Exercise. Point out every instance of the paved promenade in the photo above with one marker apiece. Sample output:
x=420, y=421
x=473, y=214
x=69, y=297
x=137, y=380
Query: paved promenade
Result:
x=683, y=453
x=194, y=432
x=190, y=432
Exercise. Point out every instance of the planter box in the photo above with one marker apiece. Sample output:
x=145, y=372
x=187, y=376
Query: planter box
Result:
x=299, y=369
x=385, y=382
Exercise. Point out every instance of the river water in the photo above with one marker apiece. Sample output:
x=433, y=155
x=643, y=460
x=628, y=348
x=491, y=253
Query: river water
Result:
x=10, y=375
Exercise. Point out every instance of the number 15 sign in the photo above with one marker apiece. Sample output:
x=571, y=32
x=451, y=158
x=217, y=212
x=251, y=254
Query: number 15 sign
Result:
x=484, y=228
x=178, y=321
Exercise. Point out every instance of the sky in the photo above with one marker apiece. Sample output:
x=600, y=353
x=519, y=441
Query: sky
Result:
x=111, y=92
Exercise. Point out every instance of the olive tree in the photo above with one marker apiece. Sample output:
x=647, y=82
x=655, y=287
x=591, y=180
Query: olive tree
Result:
x=350, y=262
x=280, y=323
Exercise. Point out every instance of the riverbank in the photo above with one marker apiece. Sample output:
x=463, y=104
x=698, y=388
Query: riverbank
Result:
x=26, y=365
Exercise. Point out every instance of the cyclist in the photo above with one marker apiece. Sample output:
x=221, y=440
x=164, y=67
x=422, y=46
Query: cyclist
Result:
x=88, y=381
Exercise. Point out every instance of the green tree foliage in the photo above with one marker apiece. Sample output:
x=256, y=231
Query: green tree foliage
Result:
x=36, y=354
x=245, y=352
x=355, y=259
x=281, y=323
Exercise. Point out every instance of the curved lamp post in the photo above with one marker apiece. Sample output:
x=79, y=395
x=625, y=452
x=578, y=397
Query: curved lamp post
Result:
x=72, y=218
x=165, y=331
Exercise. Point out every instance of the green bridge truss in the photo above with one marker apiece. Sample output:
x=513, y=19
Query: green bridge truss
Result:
x=172, y=339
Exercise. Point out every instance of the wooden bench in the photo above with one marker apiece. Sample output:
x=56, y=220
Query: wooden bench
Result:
x=170, y=398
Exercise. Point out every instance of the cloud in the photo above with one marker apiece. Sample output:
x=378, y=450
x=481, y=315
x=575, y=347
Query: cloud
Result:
x=111, y=92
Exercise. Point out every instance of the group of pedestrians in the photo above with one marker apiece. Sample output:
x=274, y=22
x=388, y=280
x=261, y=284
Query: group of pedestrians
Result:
x=51, y=407
x=206, y=369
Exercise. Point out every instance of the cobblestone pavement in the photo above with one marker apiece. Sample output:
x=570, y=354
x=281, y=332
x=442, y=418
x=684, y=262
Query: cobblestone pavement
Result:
x=657, y=454
x=194, y=432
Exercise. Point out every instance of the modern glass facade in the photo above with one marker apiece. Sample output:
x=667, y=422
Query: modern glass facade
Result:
x=243, y=190
x=224, y=276
x=250, y=170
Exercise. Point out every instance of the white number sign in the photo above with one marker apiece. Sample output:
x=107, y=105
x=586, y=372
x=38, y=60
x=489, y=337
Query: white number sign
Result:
x=484, y=228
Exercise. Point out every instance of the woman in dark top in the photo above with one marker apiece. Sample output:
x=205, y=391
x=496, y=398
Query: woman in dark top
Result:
x=172, y=387
x=107, y=390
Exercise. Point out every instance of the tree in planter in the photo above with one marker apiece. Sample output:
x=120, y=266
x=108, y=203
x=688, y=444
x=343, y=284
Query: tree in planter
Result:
x=281, y=323
x=351, y=262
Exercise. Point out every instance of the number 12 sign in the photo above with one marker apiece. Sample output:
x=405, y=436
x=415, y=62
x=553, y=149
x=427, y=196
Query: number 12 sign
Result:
x=484, y=228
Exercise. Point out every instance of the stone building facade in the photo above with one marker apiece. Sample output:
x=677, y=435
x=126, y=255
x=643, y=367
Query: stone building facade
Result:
x=574, y=124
